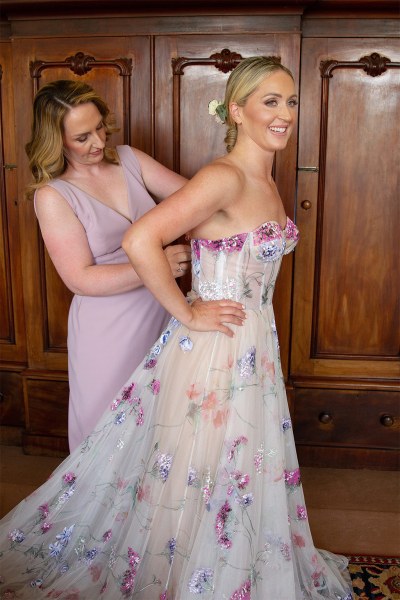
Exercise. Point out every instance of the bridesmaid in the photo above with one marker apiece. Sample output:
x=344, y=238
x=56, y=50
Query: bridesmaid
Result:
x=86, y=196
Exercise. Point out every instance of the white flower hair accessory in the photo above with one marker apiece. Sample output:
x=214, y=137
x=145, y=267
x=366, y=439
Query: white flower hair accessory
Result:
x=217, y=109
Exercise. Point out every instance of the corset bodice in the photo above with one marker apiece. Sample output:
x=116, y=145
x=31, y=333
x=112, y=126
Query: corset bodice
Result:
x=243, y=267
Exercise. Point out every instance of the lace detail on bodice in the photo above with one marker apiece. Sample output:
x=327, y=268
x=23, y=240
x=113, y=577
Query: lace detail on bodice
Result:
x=242, y=267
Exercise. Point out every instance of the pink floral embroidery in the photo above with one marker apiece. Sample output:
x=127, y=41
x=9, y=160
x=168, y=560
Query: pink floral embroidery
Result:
x=292, y=478
x=128, y=581
x=237, y=442
x=301, y=512
x=192, y=393
x=298, y=540
x=155, y=386
x=95, y=573
x=69, y=478
x=243, y=593
x=107, y=535
x=220, y=525
x=220, y=418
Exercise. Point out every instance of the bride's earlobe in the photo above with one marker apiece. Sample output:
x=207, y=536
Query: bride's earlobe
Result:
x=234, y=110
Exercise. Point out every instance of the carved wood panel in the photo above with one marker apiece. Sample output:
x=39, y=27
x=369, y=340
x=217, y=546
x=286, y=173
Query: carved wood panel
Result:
x=12, y=326
x=190, y=72
x=119, y=70
x=347, y=273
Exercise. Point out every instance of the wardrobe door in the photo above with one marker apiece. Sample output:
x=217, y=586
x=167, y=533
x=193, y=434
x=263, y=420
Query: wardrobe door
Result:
x=346, y=321
x=12, y=323
x=190, y=72
x=119, y=70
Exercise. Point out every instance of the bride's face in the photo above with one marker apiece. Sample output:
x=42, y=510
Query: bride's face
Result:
x=270, y=113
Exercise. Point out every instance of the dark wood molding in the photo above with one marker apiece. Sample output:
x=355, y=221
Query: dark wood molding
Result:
x=224, y=61
x=373, y=65
x=41, y=8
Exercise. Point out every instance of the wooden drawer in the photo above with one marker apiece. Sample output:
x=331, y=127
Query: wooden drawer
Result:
x=11, y=399
x=347, y=418
x=47, y=407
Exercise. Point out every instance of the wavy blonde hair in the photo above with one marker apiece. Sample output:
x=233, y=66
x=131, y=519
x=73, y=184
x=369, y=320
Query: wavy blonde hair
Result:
x=242, y=82
x=45, y=149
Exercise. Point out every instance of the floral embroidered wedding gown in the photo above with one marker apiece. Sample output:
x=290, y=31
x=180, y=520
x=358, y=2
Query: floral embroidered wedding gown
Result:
x=189, y=486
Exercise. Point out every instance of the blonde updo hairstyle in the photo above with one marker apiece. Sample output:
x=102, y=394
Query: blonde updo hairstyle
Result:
x=242, y=82
x=45, y=149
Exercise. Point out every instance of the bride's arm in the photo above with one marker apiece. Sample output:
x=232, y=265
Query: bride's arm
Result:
x=200, y=199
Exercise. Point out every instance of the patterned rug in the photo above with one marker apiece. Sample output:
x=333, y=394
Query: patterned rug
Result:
x=375, y=577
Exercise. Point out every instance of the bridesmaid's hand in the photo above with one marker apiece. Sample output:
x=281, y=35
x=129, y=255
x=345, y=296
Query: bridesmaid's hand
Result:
x=179, y=257
x=212, y=315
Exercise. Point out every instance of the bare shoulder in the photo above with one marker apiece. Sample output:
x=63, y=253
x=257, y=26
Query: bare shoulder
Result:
x=221, y=174
x=49, y=200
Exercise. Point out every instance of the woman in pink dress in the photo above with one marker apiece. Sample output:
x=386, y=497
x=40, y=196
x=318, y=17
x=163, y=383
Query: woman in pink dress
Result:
x=86, y=197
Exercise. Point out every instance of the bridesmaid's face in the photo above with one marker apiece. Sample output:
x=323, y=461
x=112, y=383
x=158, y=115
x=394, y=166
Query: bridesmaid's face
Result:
x=84, y=134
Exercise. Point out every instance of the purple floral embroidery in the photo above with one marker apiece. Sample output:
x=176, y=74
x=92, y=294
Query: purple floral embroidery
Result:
x=247, y=364
x=90, y=555
x=243, y=593
x=192, y=477
x=220, y=524
x=185, y=343
x=16, y=535
x=292, y=478
x=164, y=336
x=64, y=537
x=170, y=548
x=245, y=500
x=120, y=418
x=201, y=581
x=150, y=363
x=163, y=466
x=43, y=511
x=271, y=251
x=286, y=424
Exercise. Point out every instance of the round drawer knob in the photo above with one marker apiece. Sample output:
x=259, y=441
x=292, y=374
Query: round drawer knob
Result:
x=306, y=204
x=325, y=418
x=387, y=420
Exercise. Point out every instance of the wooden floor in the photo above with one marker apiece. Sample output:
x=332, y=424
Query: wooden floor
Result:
x=350, y=511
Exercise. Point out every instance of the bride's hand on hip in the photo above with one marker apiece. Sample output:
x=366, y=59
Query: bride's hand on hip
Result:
x=213, y=315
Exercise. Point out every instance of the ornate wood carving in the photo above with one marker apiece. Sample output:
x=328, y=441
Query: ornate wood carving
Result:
x=374, y=65
x=224, y=61
x=80, y=64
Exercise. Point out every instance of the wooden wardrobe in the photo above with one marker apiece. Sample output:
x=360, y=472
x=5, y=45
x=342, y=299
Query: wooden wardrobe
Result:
x=158, y=65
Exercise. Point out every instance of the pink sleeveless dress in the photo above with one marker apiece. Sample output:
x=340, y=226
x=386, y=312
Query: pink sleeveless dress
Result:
x=108, y=336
